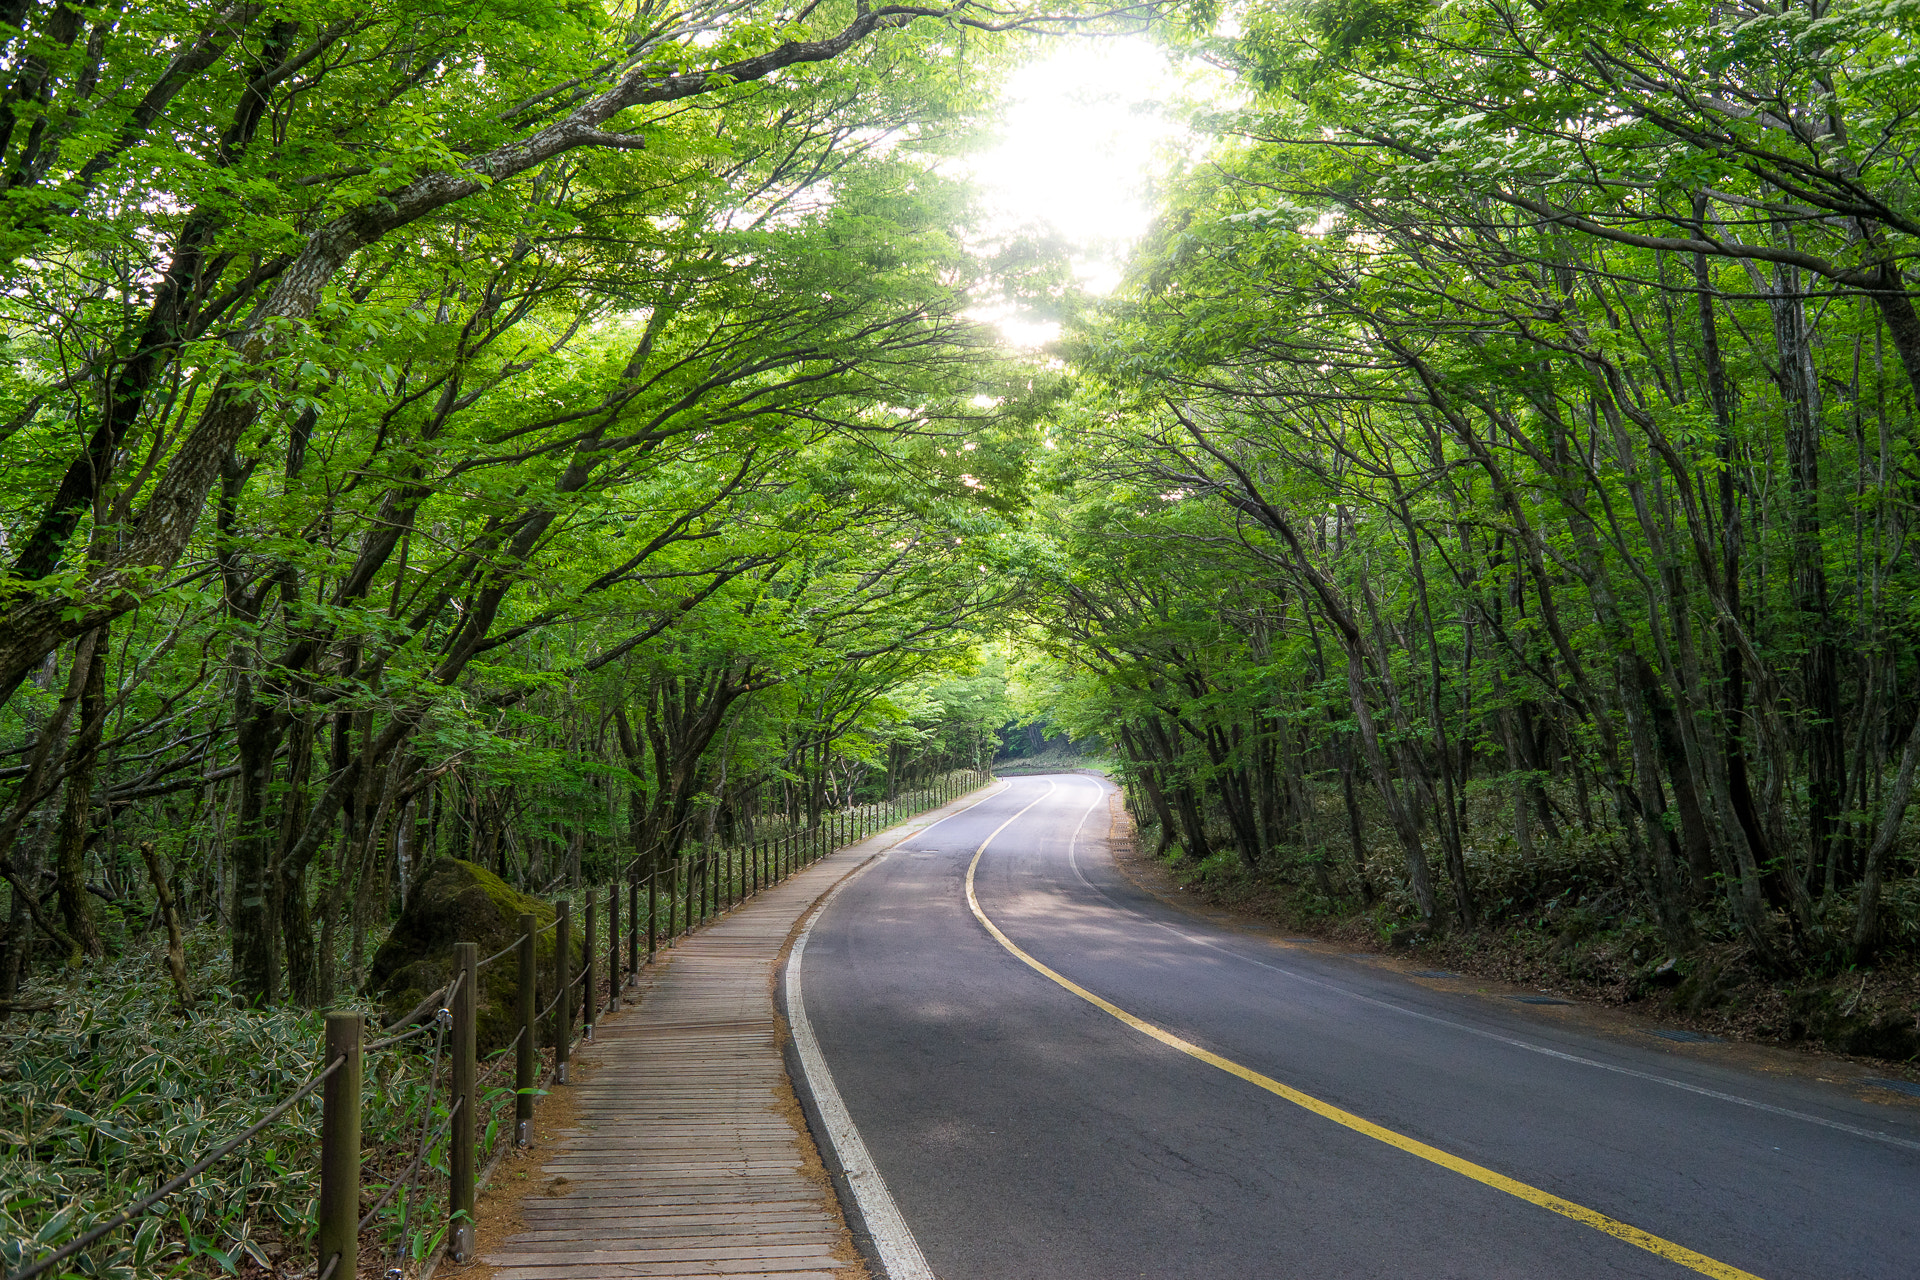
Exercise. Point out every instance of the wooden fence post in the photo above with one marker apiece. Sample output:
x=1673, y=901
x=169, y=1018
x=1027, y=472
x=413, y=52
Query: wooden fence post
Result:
x=523, y=1078
x=340, y=1148
x=460, y=1159
x=633, y=926
x=563, y=991
x=673, y=899
x=613, y=945
x=653, y=918
x=590, y=989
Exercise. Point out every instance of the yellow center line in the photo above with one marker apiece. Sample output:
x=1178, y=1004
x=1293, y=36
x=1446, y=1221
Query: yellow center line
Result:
x=1466, y=1168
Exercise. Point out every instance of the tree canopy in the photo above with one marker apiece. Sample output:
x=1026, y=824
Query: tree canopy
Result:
x=566, y=433
x=534, y=431
x=1505, y=443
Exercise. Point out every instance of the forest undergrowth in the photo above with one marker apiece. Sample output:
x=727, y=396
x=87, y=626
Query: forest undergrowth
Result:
x=1549, y=923
x=111, y=1088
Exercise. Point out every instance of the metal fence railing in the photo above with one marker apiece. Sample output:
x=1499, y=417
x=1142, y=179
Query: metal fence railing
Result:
x=455, y=1136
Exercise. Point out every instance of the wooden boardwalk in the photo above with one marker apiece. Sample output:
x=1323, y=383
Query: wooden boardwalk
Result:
x=689, y=1156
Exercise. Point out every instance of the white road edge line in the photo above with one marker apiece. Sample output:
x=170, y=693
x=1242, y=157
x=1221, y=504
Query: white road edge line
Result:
x=1876, y=1135
x=900, y=1255
x=899, y=1252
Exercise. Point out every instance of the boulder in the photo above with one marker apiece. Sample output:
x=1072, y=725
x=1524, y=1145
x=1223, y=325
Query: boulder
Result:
x=455, y=901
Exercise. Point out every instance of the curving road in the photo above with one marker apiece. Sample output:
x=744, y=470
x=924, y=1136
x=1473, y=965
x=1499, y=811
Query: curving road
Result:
x=1026, y=1132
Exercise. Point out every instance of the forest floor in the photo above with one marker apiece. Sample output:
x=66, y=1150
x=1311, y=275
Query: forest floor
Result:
x=1870, y=1016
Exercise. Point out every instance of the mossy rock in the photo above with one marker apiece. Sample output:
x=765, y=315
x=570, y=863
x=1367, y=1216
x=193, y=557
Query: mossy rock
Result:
x=455, y=901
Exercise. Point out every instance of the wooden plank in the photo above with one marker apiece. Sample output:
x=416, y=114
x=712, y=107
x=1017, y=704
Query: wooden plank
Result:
x=589, y=1271
x=722, y=1222
x=687, y=1157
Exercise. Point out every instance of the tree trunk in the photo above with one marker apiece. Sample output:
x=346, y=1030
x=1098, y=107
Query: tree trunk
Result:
x=1823, y=731
x=1866, y=928
x=76, y=821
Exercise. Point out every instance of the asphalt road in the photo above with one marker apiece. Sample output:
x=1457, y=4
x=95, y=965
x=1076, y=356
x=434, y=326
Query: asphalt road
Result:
x=1025, y=1132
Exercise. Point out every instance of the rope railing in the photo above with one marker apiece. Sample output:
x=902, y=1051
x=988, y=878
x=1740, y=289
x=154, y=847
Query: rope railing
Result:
x=406, y=1176
x=432, y=1000
x=691, y=890
x=387, y=1042
x=441, y=1024
x=507, y=950
x=439, y=1000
